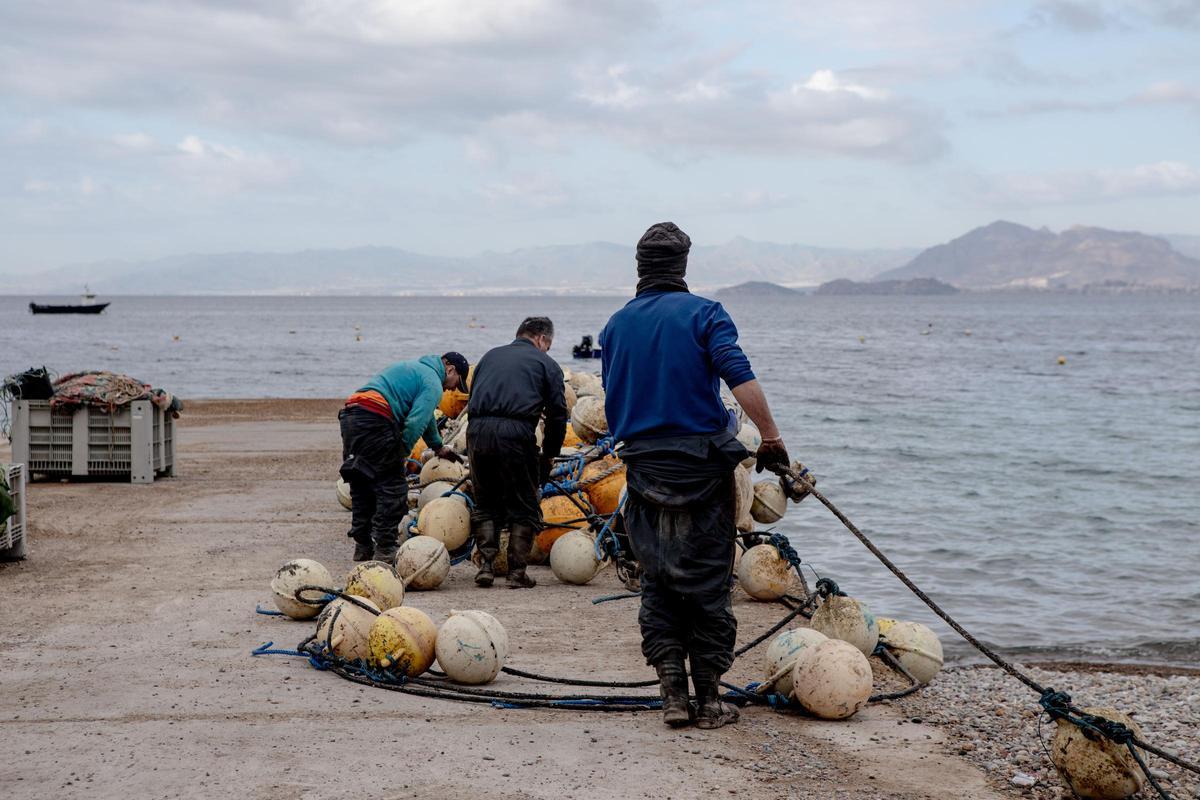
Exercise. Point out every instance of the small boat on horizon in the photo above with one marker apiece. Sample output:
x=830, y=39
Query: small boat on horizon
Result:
x=87, y=305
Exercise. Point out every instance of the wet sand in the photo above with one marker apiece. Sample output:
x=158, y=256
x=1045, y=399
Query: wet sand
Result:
x=125, y=667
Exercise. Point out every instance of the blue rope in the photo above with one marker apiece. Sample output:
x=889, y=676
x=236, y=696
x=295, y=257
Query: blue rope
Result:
x=266, y=612
x=464, y=496
x=266, y=650
x=607, y=545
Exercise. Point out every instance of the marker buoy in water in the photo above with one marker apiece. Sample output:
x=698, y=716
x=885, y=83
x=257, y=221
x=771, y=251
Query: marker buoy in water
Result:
x=441, y=469
x=849, y=620
x=914, y=645
x=1062, y=360
x=378, y=582
x=447, y=520
x=344, y=628
x=422, y=563
x=471, y=647
x=833, y=681
x=1097, y=768
x=343, y=494
x=402, y=639
x=770, y=503
x=573, y=558
x=785, y=650
x=764, y=574
x=290, y=577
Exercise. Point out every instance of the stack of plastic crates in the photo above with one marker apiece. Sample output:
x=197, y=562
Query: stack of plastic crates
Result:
x=135, y=442
x=14, y=531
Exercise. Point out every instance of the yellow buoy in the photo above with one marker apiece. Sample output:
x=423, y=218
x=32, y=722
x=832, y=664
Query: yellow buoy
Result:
x=915, y=646
x=422, y=563
x=604, y=493
x=446, y=519
x=561, y=514
x=764, y=574
x=573, y=558
x=849, y=620
x=343, y=629
x=744, y=499
x=785, y=650
x=290, y=577
x=833, y=681
x=1062, y=360
x=378, y=582
x=343, y=494
x=471, y=647
x=570, y=439
x=770, y=503
x=588, y=420
x=442, y=469
x=1099, y=769
x=453, y=403
x=402, y=640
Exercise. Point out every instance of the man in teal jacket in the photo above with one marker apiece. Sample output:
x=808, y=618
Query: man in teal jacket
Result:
x=381, y=422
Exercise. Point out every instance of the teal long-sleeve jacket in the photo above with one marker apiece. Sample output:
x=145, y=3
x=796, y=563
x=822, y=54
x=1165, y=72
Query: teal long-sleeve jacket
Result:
x=413, y=390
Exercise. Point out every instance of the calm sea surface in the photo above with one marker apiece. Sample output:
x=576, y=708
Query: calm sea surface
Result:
x=1054, y=509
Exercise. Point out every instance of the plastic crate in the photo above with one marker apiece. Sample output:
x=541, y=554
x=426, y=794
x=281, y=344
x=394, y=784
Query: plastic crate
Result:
x=14, y=532
x=136, y=442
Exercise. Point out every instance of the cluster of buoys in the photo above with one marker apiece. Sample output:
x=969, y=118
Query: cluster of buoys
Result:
x=372, y=625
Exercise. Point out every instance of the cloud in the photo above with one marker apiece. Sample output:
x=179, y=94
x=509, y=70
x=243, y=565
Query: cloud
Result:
x=1077, y=17
x=1165, y=93
x=1092, y=16
x=225, y=169
x=1161, y=179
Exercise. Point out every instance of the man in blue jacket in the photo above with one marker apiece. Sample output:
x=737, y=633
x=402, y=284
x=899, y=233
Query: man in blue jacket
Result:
x=381, y=423
x=664, y=356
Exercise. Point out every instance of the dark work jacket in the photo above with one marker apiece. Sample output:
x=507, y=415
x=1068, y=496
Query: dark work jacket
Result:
x=514, y=386
x=679, y=471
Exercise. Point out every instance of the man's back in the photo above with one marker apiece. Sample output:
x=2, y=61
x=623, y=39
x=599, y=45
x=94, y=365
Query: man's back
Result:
x=664, y=355
x=402, y=382
x=513, y=381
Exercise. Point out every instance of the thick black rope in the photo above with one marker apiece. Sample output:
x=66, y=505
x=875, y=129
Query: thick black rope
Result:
x=1058, y=704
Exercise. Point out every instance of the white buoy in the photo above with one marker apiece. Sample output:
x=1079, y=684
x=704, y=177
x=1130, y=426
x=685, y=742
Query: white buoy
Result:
x=378, y=582
x=344, y=628
x=588, y=420
x=471, y=647
x=1098, y=768
x=343, y=494
x=446, y=519
x=573, y=558
x=764, y=574
x=915, y=646
x=435, y=490
x=785, y=650
x=743, y=500
x=770, y=503
x=290, y=577
x=441, y=469
x=751, y=439
x=849, y=620
x=423, y=563
x=833, y=681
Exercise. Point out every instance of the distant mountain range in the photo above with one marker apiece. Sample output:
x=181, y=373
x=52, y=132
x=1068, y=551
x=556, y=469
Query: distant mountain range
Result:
x=1002, y=255
x=1005, y=255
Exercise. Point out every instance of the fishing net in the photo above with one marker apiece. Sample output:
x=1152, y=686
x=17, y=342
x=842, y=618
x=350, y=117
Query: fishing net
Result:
x=108, y=390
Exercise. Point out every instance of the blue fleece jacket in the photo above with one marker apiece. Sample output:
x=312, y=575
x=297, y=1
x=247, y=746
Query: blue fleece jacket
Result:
x=663, y=357
x=413, y=390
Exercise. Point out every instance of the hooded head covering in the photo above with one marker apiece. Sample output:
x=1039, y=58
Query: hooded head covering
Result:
x=662, y=259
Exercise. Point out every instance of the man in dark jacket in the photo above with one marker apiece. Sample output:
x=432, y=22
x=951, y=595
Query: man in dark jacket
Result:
x=513, y=388
x=664, y=356
x=381, y=423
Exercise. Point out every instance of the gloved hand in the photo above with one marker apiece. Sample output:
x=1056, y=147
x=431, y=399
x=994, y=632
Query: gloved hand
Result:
x=544, y=467
x=771, y=453
x=448, y=454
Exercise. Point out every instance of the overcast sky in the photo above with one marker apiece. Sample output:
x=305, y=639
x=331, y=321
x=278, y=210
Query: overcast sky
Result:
x=131, y=130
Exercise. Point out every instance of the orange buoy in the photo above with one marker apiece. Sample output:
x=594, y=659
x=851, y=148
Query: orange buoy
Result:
x=453, y=402
x=604, y=493
x=561, y=514
x=571, y=439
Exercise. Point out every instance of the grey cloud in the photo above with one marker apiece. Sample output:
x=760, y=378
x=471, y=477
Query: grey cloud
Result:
x=1080, y=17
x=1068, y=187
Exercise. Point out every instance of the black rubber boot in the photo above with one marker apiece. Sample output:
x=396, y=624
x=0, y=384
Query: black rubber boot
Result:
x=386, y=554
x=711, y=712
x=520, y=542
x=364, y=551
x=673, y=686
x=487, y=542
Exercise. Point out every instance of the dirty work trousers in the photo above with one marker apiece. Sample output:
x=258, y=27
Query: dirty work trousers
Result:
x=680, y=519
x=378, y=481
x=503, y=454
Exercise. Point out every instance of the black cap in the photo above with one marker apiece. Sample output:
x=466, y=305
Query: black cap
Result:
x=459, y=362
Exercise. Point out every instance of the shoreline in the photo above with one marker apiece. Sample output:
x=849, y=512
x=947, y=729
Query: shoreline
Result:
x=126, y=672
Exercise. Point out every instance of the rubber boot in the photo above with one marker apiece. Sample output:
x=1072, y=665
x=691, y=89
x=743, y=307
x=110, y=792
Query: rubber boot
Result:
x=673, y=686
x=364, y=551
x=711, y=712
x=487, y=543
x=520, y=542
x=386, y=554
